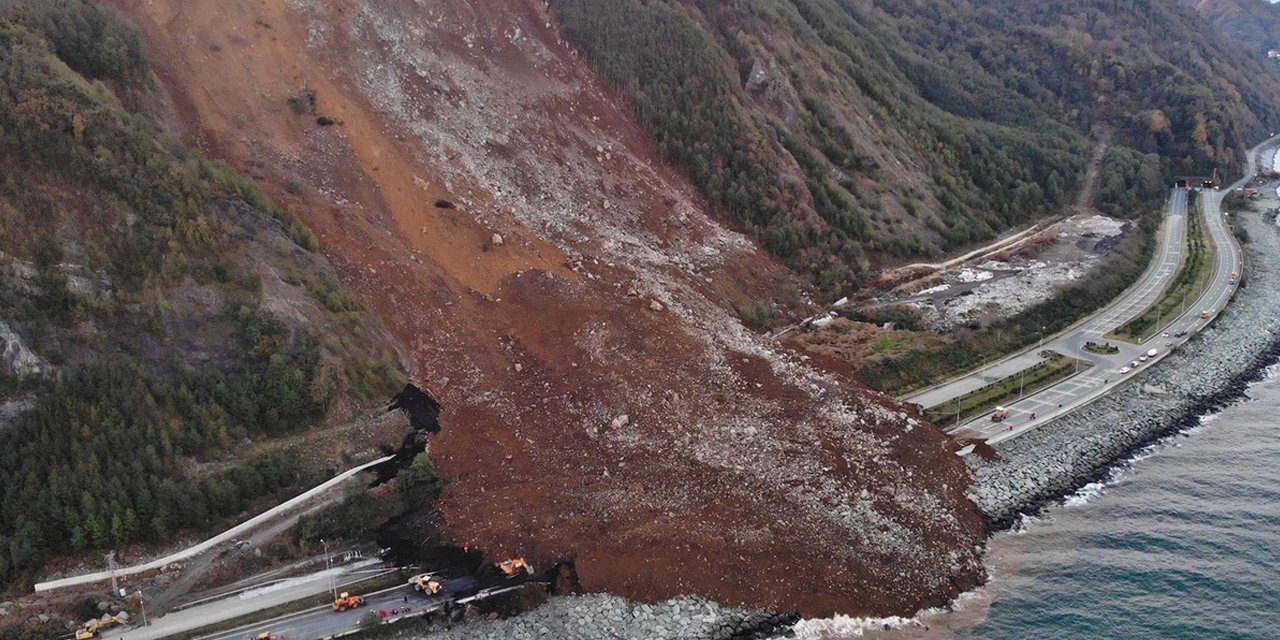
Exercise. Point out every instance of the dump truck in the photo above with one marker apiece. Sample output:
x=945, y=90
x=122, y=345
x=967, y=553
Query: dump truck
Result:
x=513, y=566
x=426, y=584
x=91, y=628
x=1000, y=414
x=347, y=601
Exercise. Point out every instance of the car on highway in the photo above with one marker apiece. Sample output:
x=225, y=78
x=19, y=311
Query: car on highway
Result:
x=1164, y=335
x=1124, y=370
x=1179, y=334
x=1143, y=358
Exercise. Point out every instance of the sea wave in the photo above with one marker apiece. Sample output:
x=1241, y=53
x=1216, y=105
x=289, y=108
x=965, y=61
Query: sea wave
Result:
x=841, y=626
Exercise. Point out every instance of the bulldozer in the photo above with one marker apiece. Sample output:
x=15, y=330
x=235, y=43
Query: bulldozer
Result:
x=426, y=584
x=347, y=601
x=93, y=627
x=513, y=566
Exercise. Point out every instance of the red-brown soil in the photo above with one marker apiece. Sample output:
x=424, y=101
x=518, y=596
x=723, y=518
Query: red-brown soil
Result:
x=741, y=472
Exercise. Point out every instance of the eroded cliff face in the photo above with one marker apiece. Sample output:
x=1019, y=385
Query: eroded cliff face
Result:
x=601, y=402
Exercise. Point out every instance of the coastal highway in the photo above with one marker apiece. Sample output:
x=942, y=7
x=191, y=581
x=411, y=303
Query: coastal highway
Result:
x=1165, y=263
x=324, y=622
x=1104, y=375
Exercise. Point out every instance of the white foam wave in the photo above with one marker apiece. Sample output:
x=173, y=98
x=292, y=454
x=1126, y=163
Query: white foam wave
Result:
x=1024, y=523
x=1086, y=493
x=845, y=627
x=841, y=626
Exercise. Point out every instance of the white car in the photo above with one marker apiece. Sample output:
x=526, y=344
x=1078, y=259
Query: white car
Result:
x=1124, y=370
x=1164, y=335
x=1143, y=358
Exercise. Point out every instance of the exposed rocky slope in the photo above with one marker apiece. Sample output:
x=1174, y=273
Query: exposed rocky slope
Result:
x=570, y=307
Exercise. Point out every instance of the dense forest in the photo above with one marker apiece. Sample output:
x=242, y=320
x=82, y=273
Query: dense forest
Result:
x=167, y=312
x=846, y=134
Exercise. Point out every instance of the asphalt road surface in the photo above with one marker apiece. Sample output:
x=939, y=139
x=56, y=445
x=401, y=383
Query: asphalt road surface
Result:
x=1092, y=382
x=325, y=622
x=248, y=601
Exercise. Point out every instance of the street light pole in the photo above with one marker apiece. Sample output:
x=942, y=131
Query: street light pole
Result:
x=143, y=604
x=332, y=589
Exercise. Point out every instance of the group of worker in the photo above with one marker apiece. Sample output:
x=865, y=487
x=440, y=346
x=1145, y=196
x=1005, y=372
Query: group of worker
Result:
x=382, y=613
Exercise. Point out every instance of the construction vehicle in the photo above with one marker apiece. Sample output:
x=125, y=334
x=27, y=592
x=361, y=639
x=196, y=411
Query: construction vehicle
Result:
x=1204, y=314
x=347, y=601
x=91, y=628
x=426, y=584
x=267, y=635
x=1000, y=414
x=510, y=567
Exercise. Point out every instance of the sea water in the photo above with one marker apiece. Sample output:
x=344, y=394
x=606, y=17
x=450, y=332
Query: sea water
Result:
x=1182, y=542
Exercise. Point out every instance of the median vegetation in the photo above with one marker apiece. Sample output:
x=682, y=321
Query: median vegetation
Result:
x=1187, y=285
x=1006, y=390
x=1105, y=348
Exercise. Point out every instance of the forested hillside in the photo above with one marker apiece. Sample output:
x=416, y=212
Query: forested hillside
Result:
x=848, y=134
x=157, y=310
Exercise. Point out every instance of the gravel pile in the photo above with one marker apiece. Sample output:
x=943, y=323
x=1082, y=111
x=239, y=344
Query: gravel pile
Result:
x=605, y=617
x=1211, y=369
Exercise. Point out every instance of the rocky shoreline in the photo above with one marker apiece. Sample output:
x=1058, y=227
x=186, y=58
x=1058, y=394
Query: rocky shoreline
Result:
x=599, y=616
x=1038, y=469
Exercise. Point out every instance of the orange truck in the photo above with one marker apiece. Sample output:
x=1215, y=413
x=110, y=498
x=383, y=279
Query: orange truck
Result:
x=510, y=567
x=1000, y=414
x=347, y=601
x=426, y=584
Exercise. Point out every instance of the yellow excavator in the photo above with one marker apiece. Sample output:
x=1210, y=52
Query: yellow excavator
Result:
x=347, y=601
x=513, y=566
x=426, y=584
x=91, y=628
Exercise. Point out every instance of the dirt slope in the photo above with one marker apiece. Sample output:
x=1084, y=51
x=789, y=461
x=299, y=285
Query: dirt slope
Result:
x=735, y=465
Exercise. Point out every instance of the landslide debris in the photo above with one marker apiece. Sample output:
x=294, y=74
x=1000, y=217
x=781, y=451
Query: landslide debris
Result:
x=741, y=473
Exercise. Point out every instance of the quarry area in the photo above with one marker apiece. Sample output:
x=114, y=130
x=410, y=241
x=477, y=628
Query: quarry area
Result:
x=1010, y=280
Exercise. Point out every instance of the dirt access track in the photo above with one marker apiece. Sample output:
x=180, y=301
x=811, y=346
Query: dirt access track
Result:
x=601, y=404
